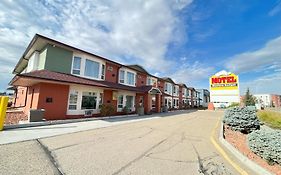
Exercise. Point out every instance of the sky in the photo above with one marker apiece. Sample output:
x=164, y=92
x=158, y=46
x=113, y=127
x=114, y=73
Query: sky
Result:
x=187, y=40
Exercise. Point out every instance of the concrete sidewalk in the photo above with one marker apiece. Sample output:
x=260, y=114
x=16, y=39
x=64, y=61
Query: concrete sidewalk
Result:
x=31, y=133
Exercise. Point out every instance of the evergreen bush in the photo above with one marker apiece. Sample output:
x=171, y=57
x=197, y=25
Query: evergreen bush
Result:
x=242, y=119
x=267, y=144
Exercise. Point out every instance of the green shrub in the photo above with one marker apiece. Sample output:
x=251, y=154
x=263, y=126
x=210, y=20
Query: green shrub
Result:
x=267, y=144
x=126, y=110
x=242, y=119
x=107, y=110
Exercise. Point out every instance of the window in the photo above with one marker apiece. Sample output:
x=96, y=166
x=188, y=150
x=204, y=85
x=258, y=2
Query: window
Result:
x=120, y=101
x=129, y=101
x=101, y=99
x=121, y=76
x=92, y=69
x=166, y=87
x=89, y=100
x=73, y=97
x=76, y=65
x=102, y=71
x=130, y=78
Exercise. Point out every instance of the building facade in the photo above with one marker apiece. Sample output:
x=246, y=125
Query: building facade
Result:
x=268, y=100
x=68, y=82
x=204, y=97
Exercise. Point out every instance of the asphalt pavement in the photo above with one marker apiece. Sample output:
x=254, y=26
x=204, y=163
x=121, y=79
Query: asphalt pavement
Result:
x=177, y=143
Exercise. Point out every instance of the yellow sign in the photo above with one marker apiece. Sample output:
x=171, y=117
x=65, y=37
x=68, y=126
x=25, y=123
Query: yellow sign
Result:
x=224, y=82
x=3, y=108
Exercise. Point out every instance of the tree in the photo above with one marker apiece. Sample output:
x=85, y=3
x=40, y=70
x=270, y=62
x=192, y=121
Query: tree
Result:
x=249, y=99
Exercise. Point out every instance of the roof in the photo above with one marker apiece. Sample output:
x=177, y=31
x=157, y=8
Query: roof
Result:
x=72, y=79
x=138, y=68
x=182, y=84
x=168, y=80
x=38, y=42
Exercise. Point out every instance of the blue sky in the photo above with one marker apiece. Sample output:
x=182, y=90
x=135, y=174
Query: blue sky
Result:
x=188, y=40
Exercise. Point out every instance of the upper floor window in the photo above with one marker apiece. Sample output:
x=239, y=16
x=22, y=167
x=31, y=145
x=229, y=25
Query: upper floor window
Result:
x=89, y=68
x=176, y=90
x=127, y=77
x=130, y=78
x=76, y=65
x=168, y=88
x=151, y=81
x=92, y=69
x=122, y=76
x=103, y=72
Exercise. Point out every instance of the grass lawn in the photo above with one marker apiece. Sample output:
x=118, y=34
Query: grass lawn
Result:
x=270, y=118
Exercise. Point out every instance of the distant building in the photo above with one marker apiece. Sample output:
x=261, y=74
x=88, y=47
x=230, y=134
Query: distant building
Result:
x=268, y=100
x=224, y=89
x=204, y=96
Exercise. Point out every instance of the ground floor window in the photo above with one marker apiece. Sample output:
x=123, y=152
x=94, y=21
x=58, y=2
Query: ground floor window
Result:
x=73, y=99
x=168, y=102
x=89, y=100
x=125, y=101
x=120, y=101
x=175, y=103
x=82, y=99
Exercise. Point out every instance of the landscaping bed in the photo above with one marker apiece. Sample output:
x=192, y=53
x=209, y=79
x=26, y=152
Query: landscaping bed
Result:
x=239, y=141
x=261, y=144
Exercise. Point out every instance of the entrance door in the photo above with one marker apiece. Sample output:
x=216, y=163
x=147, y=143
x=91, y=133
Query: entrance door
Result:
x=153, y=103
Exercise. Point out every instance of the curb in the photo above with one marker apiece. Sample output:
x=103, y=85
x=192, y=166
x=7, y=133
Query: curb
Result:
x=245, y=160
x=56, y=122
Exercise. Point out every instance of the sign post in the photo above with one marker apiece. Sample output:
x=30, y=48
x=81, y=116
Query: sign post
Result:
x=3, y=109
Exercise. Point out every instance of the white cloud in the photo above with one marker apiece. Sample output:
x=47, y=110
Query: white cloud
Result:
x=126, y=31
x=276, y=9
x=265, y=61
x=267, y=84
x=192, y=73
x=268, y=55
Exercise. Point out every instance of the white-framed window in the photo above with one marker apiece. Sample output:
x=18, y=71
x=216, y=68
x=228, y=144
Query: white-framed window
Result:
x=88, y=67
x=76, y=66
x=168, y=88
x=125, y=99
x=83, y=98
x=73, y=99
x=89, y=100
x=102, y=71
x=122, y=76
x=127, y=77
x=91, y=68
x=151, y=81
x=168, y=101
x=120, y=101
x=131, y=78
x=176, y=90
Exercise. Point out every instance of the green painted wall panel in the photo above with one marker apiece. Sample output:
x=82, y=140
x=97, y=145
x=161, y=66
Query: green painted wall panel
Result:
x=58, y=59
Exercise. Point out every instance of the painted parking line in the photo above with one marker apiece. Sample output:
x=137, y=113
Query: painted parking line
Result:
x=223, y=153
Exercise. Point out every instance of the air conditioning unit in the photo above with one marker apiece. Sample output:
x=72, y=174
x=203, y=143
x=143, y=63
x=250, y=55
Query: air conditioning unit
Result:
x=88, y=113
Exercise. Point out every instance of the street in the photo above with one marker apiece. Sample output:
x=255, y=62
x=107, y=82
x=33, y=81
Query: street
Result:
x=173, y=144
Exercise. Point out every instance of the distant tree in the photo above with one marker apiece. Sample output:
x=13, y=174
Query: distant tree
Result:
x=249, y=99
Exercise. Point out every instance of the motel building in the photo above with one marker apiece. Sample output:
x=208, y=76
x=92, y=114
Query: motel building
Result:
x=68, y=82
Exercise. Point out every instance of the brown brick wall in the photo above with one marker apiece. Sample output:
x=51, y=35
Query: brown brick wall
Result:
x=14, y=117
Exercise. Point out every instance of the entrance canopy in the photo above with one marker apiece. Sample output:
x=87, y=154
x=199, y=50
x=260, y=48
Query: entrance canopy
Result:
x=154, y=91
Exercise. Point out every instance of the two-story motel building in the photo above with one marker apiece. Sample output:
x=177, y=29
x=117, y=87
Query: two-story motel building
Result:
x=68, y=82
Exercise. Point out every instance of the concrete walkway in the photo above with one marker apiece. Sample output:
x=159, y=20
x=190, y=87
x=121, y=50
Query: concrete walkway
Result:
x=31, y=133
